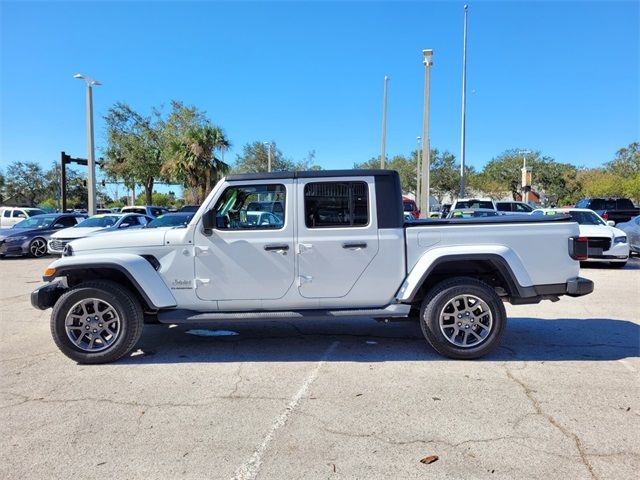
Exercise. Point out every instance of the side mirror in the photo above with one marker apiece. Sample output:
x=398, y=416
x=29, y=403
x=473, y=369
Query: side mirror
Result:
x=611, y=223
x=208, y=222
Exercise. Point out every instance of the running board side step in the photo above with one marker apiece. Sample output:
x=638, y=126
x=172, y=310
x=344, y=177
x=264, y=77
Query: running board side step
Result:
x=192, y=316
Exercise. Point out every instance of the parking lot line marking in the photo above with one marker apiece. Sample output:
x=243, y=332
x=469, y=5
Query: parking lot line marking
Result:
x=626, y=365
x=249, y=470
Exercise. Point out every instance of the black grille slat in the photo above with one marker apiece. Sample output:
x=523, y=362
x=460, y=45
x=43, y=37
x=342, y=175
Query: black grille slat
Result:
x=600, y=242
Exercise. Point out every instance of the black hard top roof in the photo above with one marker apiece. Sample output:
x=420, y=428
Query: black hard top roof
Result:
x=312, y=174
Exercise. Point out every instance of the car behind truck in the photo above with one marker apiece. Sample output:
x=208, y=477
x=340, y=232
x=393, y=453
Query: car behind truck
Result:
x=341, y=250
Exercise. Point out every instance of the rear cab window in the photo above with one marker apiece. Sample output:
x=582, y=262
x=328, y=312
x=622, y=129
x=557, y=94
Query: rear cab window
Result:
x=336, y=204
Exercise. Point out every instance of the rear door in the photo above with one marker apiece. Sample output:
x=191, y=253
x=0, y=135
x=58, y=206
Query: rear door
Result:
x=337, y=234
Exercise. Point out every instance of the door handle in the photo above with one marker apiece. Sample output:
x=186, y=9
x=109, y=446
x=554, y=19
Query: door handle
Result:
x=354, y=246
x=276, y=248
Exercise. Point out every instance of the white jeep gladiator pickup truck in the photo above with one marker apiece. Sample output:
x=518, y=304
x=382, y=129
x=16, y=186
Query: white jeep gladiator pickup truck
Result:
x=332, y=244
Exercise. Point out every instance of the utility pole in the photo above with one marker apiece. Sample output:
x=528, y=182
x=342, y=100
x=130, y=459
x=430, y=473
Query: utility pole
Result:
x=384, y=123
x=425, y=192
x=91, y=173
x=464, y=103
x=268, y=144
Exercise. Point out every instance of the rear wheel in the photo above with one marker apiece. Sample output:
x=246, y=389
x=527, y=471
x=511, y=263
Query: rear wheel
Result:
x=96, y=322
x=463, y=318
x=38, y=247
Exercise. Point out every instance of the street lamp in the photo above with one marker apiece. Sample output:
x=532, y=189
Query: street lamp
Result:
x=91, y=164
x=384, y=122
x=464, y=103
x=418, y=169
x=268, y=144
x=424, y=193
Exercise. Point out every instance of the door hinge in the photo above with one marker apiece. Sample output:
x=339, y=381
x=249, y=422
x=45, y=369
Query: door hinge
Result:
x=201, y=251
x=303, y=247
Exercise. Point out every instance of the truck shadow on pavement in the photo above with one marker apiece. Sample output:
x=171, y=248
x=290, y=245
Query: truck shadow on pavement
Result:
x=361, y=340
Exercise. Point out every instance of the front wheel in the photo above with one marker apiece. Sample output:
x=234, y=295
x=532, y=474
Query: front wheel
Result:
x=96, y=322
x=463, y=318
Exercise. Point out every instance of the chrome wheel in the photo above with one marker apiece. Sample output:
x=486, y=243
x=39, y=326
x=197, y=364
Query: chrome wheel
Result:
x=92, y=325
x=38, y=247
x=466, y=321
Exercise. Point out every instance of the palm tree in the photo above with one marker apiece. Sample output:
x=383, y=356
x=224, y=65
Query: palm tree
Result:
x=193, y=159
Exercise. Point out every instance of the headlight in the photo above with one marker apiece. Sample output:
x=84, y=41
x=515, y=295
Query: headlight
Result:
x=17, y=239
x=620, y=240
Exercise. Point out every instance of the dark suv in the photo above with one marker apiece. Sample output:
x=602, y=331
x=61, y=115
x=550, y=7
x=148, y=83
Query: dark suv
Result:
x=617, y=210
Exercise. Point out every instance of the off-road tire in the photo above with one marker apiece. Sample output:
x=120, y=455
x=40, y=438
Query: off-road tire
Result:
x=123, y=302
x=441, y=294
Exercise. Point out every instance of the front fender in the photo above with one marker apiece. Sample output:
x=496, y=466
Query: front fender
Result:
x=137, y=269
x=505, y=259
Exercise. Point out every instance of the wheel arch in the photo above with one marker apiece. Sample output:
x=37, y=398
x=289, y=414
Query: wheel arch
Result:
x=491, y=268
x=136, y=273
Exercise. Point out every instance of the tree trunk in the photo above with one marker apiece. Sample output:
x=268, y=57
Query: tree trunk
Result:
x=207, y=185
x=148, y=191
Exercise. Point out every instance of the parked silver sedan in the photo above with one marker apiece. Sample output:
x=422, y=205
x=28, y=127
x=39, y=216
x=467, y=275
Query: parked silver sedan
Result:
x=632, y=229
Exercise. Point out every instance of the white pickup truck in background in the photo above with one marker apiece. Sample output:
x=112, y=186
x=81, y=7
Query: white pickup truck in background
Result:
x=340, y=250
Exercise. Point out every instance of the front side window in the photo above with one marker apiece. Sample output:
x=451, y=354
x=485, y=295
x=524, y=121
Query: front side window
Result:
x=19, y=214
x=242, y=208
x=336, y=204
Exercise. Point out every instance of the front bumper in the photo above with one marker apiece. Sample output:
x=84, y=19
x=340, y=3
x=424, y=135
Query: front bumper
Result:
x=618, y=252
x=45, y=296
x=14, y=248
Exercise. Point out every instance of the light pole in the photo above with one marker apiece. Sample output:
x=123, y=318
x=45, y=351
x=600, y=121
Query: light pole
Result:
x=424, y=193
x=268, y=144
x=418, y=170
x=526, y=176
x=91, y=164
x=464, y=103
x=384, y=122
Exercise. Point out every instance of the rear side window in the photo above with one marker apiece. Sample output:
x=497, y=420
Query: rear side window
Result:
x=336, y=204
x=624, y=204
x=521, y=207
x=19, y=214
x=474, y=204
x=6, y=213
x=503, y=206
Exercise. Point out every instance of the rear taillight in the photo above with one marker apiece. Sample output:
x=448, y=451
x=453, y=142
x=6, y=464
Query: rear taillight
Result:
x=579, y=248
x=605, y=215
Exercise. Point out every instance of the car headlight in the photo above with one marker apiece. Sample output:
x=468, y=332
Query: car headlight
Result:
x=17, y=239
x=620, y=240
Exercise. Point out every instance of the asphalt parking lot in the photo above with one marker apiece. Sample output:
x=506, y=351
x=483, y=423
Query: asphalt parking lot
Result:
x=559, y=399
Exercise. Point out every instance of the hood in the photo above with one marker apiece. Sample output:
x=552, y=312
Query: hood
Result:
x=117, y=240
x=75, y=232
x=599, y=231
x=10, y=232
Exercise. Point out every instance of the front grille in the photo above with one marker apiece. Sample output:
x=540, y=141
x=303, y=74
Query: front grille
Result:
x=58, y=244
x=600, y=242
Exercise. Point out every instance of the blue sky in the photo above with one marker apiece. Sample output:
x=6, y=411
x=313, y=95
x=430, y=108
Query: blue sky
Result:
x=561, y=77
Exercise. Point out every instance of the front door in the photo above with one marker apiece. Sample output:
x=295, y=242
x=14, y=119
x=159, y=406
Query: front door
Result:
x=249, y=255
x=337, y=235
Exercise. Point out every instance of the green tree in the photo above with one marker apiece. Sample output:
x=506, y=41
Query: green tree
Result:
x=255, y=159
x=2, y=187
x=134, y=147
x=406, y=168
x=25, y=179
x=626, y=164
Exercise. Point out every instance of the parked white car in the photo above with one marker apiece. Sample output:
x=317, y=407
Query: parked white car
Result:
x=606, y=243
x=9, y=216
x=112, y=222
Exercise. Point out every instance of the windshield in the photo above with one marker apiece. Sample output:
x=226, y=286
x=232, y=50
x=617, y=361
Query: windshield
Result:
x=170, y=220
x=578, y=216
x=474, y=204
x=100, y=221
x=39, y=221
